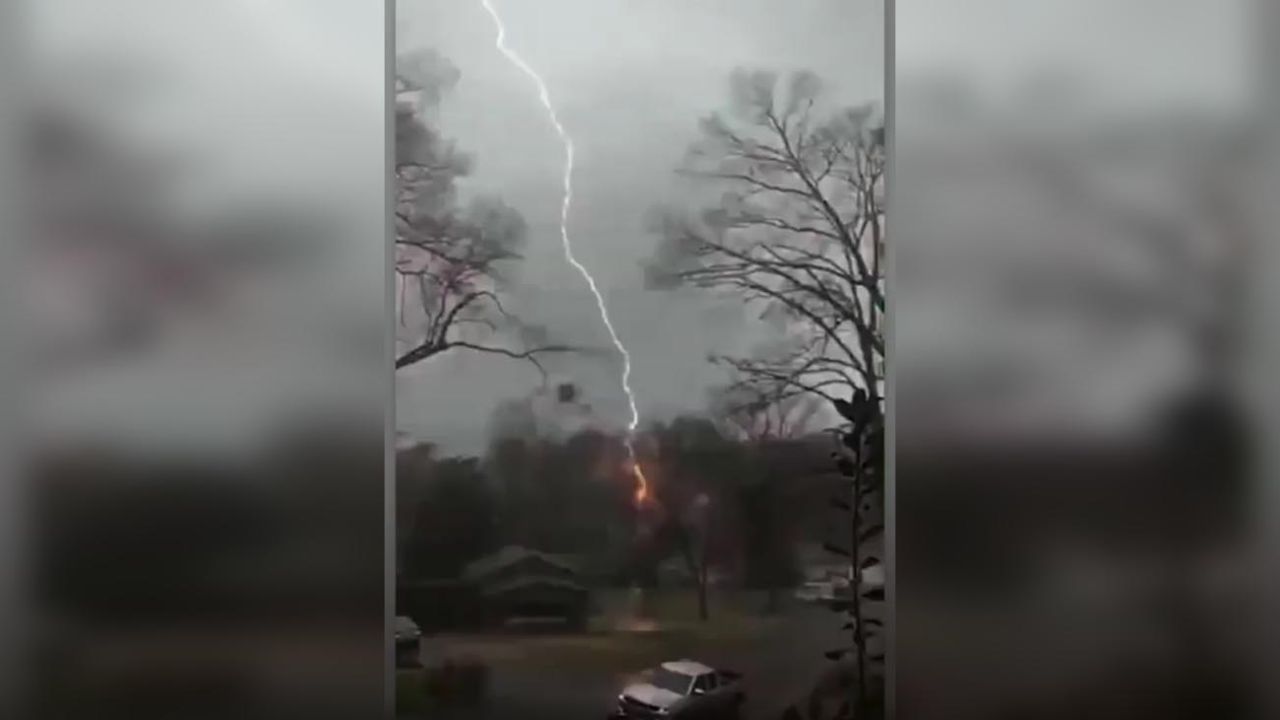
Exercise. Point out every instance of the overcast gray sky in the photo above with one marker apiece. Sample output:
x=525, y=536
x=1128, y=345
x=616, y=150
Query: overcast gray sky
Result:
x=630, y=79
x=251, y=105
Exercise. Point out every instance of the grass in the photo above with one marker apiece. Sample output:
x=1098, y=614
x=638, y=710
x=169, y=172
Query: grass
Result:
x=613, y=653
x=411, y=695
x=737, y=635
x=419, y=690
x=734, y=622
x=680, y=607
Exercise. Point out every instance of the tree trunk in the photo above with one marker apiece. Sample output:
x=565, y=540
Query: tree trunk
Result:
x=703, y=613
x=698, y=571
x=771, y=600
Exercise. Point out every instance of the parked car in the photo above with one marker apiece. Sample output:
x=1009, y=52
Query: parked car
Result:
x=836, y=588
x=682, y=689
x=407, y=637
x=815, y=591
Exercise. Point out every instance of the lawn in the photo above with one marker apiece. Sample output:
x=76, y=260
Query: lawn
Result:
x=569, y=675
x=618, y=640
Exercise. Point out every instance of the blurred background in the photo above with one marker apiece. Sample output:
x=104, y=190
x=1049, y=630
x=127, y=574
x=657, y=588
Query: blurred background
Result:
x=1082, y=326
x=1076, y=318
x=202, y=193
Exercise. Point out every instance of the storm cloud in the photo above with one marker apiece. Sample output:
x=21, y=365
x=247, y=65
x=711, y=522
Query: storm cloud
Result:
x=630, y=80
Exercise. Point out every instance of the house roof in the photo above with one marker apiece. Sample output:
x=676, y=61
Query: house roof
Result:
x=529, y=582
x=510, y=555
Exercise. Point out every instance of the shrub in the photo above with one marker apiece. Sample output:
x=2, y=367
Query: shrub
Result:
x=461, y=681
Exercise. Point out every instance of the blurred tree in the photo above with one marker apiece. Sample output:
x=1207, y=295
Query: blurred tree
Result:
x=797, y=230
x=565, y=497
x=413, y=474
x=697, y=467
x=771, y=429
x=450, y=258
x=454, y=519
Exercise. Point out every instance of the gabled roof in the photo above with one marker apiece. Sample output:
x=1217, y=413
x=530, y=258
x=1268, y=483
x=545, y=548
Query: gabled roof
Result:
x=510, y=555
x=528, y=582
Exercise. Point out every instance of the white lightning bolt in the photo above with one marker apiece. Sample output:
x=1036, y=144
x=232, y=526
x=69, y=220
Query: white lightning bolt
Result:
x=501, y=43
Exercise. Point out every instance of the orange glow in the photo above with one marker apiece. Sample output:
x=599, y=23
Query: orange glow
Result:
x=642, y=485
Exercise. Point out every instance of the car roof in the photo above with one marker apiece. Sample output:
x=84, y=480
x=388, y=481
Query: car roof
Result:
x=687, y=667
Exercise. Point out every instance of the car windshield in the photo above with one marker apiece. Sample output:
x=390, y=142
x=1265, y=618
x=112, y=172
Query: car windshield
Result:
x=672, y=681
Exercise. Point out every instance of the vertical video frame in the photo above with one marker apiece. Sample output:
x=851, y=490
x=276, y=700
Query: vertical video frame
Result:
x=640, y=359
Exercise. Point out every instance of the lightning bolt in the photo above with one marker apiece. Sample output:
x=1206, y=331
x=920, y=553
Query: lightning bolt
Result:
x=642, y=484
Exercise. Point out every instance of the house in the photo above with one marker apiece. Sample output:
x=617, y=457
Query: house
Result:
x=519, y=584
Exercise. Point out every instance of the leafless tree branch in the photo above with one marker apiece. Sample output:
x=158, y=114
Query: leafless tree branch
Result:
x=797, y=232
x=452, y=255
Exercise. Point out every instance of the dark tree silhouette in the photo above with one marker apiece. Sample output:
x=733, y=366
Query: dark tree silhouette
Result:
x=771, y=425
x=453, y=520
x=450, y=257
x=860, y=462
x=696, y=468
x=797, y=230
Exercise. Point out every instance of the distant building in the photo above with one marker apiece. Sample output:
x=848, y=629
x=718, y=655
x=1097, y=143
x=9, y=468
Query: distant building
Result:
x=517, y=583
x=511, y=585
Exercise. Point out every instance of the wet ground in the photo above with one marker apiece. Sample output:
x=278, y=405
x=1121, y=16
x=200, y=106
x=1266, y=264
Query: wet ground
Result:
x=537, y=680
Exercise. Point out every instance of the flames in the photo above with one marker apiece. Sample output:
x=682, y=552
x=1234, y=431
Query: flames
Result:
x=642, y=485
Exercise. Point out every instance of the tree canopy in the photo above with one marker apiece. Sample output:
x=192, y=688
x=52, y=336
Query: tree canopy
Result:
x=452, y=256
x=797, y=230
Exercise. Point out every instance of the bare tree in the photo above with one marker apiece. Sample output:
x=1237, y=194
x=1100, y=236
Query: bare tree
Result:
x=771, y=421
x=756, y=409
x=798, y=230
x=450, y=258
x=697, y=464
